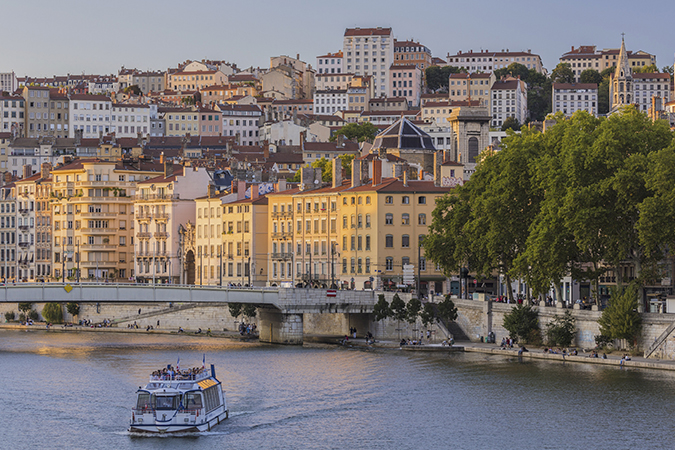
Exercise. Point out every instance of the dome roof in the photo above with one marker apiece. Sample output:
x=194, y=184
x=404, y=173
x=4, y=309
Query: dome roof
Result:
x=403, y=134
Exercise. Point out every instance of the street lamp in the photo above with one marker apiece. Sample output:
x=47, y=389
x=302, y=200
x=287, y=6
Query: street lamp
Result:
x=220, y=267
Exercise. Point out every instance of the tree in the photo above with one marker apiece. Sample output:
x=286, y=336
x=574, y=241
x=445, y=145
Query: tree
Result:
x=133, y=90
x=437, y=78
x=603, y=96
x=515, y=70
x=347, y=164
x=511, y=123
x=561, y=330
x=53, y=313
x=621, y=320
x=562, y=73
x=10, y=316
x=381, y=310
x=413, y=310
x=398, y=311
x=24, y=307
x=590, y=76
x=447, y=311
x=235, y=309
x=646, y=69
x=428, y=314
x=521, y=322
x=359, y=132
x=249, y=311
x=73, y=309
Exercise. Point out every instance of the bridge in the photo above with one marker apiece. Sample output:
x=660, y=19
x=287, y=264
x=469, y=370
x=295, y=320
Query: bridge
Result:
x=281, y=310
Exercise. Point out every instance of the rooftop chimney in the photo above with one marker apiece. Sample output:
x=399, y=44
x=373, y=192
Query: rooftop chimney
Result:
x=356, y=172
x=337, y=172
x=241, y=190
x=255, y=192
x=405, y=178
x=281, y=185
x=340, y=140
x=377, y=171
x=8, y=177
x=161, y=158
x=27, y=171
x=45, y=169
x=212, y=190
x=168, y=168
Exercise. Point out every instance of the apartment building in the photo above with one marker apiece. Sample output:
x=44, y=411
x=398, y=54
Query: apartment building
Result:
x=243, y=121
x=327, y=81
x=161, y=205
x=12, y=112
x=130, y=120
x=369, y=51
x=509, y=99
x=37, y=110
x=89, y=113
x=489, y=61
x=92, y=210
x=587, y=57
x=146, y=81
x=194, y=80
x=330, y=101
x=570, y=98
x=411, y=52
x=471, y=86
x=330, y=63
x=406, y=82
x=8, y=217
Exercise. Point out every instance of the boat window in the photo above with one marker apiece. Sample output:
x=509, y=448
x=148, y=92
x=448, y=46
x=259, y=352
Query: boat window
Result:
x=185, y=386
x=153, y=386
x=166, y=402
x=143, y=401
x=193, y=400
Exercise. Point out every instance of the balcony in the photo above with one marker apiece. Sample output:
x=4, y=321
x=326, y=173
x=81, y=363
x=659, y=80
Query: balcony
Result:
x=141, y=217
x=99, y=230
x=283, y=256
x=282, y=235
x=160, y=216
x=282, y=215
x=315, y=277
x=143, y=235
x=149, y=197
x=161, y=235
x=23, y=244
x=96, y=215
x=23, y=227
x=24, y=211
x=98, y=246
x=99, y=264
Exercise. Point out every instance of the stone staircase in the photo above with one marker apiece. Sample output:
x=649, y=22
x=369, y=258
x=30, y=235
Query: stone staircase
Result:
x=173, y=309
x=451, y=328
x=660, y=340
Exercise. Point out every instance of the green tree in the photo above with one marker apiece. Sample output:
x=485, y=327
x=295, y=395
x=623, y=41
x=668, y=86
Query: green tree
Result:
x=511, y=123
x=10, y=316
x=398, y=311
x=620, y=320
x=24, y=307
x=32, y=315
x=347, y=164
x=603, y=96
x=427, y=315
x=521, y=322
x=590, y=76
x=413, y=310
x=515, y=70
x=358, y=132
x=249, y=311
x=538, y=95
x=561, y=330
x=53, y=313
x=437, y=78
x=646, y=69
x=447, y=311
x=235, y=309
x=381, y=310
x=73, y=309
x=562, y=73
x=133, y=90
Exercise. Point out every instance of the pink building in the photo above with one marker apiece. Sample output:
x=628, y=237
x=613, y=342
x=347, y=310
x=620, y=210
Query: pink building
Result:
x=210, y=122
x=406, y=81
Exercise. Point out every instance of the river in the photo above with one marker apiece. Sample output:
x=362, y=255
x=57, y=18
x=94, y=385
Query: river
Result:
x=75, y=390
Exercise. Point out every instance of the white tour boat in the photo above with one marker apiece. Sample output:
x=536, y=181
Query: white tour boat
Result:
x=179, y=402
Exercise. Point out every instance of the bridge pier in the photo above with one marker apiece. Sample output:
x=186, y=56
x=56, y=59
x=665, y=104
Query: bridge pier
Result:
x=279, y=328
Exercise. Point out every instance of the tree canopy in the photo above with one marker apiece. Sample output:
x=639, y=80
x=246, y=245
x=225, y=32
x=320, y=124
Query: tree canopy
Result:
x=437, y=78
x=326, y=166
x=358, y=132
x=581, y=199
x=590, y=76
x=511, y=123
x=562, y=73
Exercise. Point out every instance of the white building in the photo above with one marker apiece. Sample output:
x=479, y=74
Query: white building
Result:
x=8, y=82
x=570, y=98
x=330, y=101
x=127, y=120
x=11, y=113
x=648, y=85
x=329, y=63
x=89, y=113
x=369, y=51
x=242, y=120
x=509, y=99
x=487, y=61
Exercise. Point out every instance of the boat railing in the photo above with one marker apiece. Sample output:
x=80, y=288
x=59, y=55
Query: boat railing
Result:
x=205, y=373
x=154, y=411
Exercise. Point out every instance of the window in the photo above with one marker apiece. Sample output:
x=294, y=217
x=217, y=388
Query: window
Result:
x=344, y=265
x=360, y=220
x=406, y=200
x=422, y=219
x=422, y=200
x=389, y=263
x=405, y=219
x=389, y=219
x=389, y=241
x=389, y=200
x=405, y=241
x=368, y=200
x=367, y=242
x=344, y=221
x=367, y=220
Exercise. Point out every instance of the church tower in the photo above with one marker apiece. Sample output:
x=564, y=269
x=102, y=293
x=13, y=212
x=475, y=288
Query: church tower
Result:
x=622, y=81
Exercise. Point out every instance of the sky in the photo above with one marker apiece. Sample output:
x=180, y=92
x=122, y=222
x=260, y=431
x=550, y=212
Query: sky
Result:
x=57, y=37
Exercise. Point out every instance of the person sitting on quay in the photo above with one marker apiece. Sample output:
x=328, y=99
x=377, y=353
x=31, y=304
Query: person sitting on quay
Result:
x=403, y=342
x=180, y=330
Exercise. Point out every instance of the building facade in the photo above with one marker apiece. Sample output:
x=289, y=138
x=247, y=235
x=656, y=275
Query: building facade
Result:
x=487, y=61
x=570, y=98
x=369, y=51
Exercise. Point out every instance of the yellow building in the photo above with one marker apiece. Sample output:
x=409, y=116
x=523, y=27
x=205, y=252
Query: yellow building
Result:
x=381, y=226
x=92, y=217
x=209, y=241
x=180, y=122
x=245, y=241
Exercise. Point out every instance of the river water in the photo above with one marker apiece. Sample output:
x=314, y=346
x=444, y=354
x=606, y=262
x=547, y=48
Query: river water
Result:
x=75, y=390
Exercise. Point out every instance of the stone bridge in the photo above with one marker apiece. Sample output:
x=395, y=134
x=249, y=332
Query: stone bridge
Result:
x=281, y=310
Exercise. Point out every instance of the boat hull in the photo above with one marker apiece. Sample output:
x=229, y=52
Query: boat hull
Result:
x=159, y=428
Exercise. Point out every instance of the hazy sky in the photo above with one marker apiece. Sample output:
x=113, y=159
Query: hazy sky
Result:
x=56, y=37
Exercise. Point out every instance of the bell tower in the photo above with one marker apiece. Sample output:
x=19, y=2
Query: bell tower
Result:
x=622, y=80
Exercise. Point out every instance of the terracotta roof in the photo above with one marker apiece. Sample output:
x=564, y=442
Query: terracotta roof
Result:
x=368, y=31
x=90, y=97
x=337, y=54
x=331, y=146
x=178, y=170
x=652, y=75
x=395, y=185
x=403, y=66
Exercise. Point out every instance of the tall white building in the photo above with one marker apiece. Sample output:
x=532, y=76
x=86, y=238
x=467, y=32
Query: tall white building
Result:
x=89, y=113
x=570, y=98
x=369, y=51
x=330, y=101
x=509, y=99
x=8, y=82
